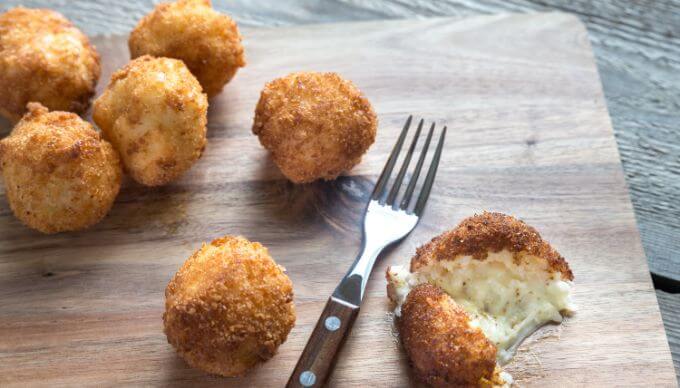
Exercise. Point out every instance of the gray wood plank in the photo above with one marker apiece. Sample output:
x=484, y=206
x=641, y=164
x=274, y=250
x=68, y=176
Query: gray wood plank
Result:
x=670, y=311
x=637, y=46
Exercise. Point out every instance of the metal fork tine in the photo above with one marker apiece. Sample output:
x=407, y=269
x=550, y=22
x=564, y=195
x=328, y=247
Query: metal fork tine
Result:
x=429, y=179
x=416, y=173
x=387, y=171
x=404, y=167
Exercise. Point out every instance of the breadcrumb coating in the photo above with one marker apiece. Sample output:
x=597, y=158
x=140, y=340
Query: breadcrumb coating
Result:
x=229, y=307
x=444, y=350
x=207, y=41
x=315, y=125
x=490, y=232
x=472, y=294
x=59, y=174
x=44, y=58
x=155, y=114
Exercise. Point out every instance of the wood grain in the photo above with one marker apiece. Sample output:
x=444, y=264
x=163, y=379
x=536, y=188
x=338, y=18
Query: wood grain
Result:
x=671, y=302
x=636, y=45
x=530, y=136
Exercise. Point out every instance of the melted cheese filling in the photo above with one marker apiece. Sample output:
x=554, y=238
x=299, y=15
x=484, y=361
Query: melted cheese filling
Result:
x=508, y=301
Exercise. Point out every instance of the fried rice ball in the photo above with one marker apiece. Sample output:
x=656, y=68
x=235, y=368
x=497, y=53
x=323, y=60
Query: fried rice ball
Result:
x=44, y=58
x=229, y=307
x=155, y=114
x=59, y=174
x=444, y=349
x=498, y=271
x=315, y=125
x=483, y=234
x=207, y=41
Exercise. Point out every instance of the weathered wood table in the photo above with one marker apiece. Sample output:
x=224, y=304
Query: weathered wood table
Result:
x=637, y=49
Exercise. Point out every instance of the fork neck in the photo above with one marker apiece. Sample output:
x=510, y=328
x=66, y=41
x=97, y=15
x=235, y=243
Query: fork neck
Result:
x=351, y=288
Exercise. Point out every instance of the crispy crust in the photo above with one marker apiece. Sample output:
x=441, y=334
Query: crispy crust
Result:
x=444, y=350
x=207, y=41
x=315, y=125
x=44, y=58
x=154, y=113
x=60, y=175
x=229, y=307
x=481, y=233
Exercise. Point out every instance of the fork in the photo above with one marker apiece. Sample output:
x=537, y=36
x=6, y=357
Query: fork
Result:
x=386, y=221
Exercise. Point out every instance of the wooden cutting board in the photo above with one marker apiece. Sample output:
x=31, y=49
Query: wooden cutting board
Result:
x=529, y=135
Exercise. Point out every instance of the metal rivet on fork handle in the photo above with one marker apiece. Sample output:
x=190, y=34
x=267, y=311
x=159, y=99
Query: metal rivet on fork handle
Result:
x=307, y=378
x=332, y=323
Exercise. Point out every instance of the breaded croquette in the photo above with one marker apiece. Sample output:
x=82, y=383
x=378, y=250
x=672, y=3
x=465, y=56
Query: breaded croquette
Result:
x=315, y=125
x=155, y=114
x=480, y=235
x=501, y=272
x=60, y=175
x=45, y=59
x=207, y=41
x=229, y=307
x=444, y=349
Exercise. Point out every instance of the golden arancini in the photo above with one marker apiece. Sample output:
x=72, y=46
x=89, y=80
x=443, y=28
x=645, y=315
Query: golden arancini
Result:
x=443, y=348
x=229, y=307
x=155, y=114
x=507, y=279
x=315, y=125
x=191, y=30
x=485, y=233
x=44, y=58
x=59, y=174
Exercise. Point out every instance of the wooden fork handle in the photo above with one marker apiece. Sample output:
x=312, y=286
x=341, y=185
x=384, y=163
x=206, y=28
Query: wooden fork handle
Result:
x=318, y=358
